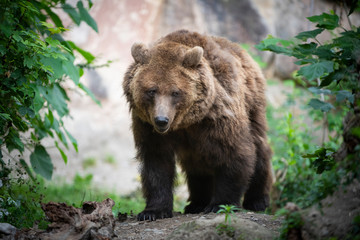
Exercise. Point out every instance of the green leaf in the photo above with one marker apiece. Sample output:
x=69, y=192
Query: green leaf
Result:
x=3, y=50
x=38, y=101
x=85, y=16
x=334, y=76
x=305, y=61
x=316, y=70
x=316, y=90
x=54, y=17
x=275, y=45
x=26, y=110
x=88, y=56
x=5, y=116
x=13, y=141
x=29, y=62
x=56, y=97
x=62, y=138
x=306, y=49
x=343, y=94
x=325, y=52
x=90, y=3
x=73, y=140
x=320, y=105
x=63, y=155
x=55, y=64
x=309, y=34
x=89, y=93
x=41, y=162
x=71, y=70
x=326, y=21
x=27, y=169
x=71, y=11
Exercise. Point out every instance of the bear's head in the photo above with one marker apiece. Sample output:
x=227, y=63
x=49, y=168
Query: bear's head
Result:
x=170, y=85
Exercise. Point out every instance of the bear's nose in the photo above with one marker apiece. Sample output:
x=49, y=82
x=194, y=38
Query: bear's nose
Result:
x=161, y=121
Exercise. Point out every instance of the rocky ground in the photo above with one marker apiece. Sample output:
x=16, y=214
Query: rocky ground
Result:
x=95, y=221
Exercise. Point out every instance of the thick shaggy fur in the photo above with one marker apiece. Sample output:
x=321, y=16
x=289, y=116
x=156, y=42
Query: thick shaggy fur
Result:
x=200, y=100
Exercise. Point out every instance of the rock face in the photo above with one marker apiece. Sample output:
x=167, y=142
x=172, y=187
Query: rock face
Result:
x=105, y=132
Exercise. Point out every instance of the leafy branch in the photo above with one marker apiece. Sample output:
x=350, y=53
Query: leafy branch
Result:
x=35, y=62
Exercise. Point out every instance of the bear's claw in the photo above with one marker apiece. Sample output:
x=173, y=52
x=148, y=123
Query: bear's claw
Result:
x=152, y=215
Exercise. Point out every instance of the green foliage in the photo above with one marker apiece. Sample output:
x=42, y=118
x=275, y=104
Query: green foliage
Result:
x=35, y=62
x=334, y=63
x=293, y=220
x=20, y=200
x=330, y=70
x=324, y=160
x=290, y=139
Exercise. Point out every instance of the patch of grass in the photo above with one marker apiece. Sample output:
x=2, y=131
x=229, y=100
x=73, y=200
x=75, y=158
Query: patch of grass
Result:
x=89, y=162
x=110, y=159
x=82, y=190
x=20, y=198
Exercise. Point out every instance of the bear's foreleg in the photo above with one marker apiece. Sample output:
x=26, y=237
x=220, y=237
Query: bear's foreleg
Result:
x=157, y=160
x=157, y=176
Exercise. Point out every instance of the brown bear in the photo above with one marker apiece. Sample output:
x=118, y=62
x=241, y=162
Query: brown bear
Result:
x=199, y=100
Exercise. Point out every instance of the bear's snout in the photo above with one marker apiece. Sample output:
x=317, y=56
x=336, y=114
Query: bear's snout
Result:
x=161, y=123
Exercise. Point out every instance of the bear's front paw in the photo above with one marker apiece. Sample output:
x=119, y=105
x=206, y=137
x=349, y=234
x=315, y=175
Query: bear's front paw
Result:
x=152, y=215
x=194, y=208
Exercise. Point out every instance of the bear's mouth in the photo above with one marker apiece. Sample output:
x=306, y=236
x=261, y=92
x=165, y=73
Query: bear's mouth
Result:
x=162, y=130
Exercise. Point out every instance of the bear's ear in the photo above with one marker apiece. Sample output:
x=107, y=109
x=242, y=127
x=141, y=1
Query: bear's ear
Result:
x=193, y=57
x=140, y=53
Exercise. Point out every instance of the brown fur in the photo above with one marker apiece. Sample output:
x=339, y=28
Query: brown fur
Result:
x=201, y=99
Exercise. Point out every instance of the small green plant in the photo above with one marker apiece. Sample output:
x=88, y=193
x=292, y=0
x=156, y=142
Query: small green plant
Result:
x=228, y=210
x=226, y=227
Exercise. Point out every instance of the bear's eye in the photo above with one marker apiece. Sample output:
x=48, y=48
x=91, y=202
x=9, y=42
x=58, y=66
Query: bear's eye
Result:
x=151, y=92
x=175, y=93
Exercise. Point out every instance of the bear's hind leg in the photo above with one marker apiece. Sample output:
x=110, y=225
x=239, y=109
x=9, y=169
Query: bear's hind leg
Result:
x=200, y=189
x=228, y=189
x=257, y=195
